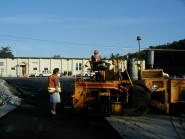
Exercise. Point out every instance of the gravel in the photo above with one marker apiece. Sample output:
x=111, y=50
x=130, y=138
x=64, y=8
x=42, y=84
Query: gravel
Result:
x=9, y=97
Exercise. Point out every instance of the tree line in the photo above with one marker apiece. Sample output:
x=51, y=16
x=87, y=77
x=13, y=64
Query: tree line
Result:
x=169, y=59
x=176, y=45
x=6, y=52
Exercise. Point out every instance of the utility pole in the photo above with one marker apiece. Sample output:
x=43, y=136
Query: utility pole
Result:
x=139, y=57
x=138, y=39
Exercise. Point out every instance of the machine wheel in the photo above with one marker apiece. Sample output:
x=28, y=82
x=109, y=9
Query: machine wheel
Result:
x=138, y=101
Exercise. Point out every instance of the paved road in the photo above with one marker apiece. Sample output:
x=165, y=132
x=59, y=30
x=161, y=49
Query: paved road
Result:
x=150, y=126
x=31, y=119
x=31, y=122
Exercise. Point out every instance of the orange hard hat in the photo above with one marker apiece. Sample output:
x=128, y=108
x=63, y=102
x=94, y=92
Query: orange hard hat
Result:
x=96, y=51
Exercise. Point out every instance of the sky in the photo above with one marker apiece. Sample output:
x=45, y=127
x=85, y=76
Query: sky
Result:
x=75, y=28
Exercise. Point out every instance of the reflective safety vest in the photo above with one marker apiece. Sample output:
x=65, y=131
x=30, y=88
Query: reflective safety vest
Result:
x=51, y=84
x=52, y=90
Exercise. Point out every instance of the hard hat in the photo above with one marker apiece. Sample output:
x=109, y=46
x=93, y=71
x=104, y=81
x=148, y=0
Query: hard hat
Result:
x=96, y=51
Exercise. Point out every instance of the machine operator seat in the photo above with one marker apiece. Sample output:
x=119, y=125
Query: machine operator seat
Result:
x=97, y=67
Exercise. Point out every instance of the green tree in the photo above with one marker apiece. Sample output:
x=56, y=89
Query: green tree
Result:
x=56, y=56
x=6, y=52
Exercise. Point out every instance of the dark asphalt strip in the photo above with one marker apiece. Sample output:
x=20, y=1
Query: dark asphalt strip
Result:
x=31, y=121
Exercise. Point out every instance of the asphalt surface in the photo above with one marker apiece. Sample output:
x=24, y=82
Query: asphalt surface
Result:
x=150, y=126
x=31, y=119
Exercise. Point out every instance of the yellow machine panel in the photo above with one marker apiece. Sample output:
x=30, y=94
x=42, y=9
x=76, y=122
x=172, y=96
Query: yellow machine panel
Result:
x=154, y=84
x=177, y=90
x=152, y=73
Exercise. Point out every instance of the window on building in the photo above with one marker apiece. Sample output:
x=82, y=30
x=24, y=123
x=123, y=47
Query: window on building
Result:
x=69, y=73
x=78, y=66
x=45, y=68
x=1, y=63
x=34, y=68
x=12, y=68
x=65, y=73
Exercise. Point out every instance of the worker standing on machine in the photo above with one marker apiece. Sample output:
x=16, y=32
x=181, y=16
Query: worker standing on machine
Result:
x=54, y=89
x=96, y=63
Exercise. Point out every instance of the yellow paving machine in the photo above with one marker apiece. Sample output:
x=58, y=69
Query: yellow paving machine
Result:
x=130, y=92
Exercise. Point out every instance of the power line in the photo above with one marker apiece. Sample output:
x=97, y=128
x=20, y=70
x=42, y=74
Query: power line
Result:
x=86, y=44
x=61, y=42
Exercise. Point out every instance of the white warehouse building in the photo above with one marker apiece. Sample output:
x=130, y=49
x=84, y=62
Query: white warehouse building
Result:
x=26, y=66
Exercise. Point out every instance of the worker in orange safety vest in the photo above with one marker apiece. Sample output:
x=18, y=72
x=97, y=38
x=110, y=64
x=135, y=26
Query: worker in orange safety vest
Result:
x=54, y=89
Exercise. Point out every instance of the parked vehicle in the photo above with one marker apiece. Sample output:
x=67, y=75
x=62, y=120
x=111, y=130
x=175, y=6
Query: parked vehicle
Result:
x=33, y=75
x=45, y=73
x=88, y=74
